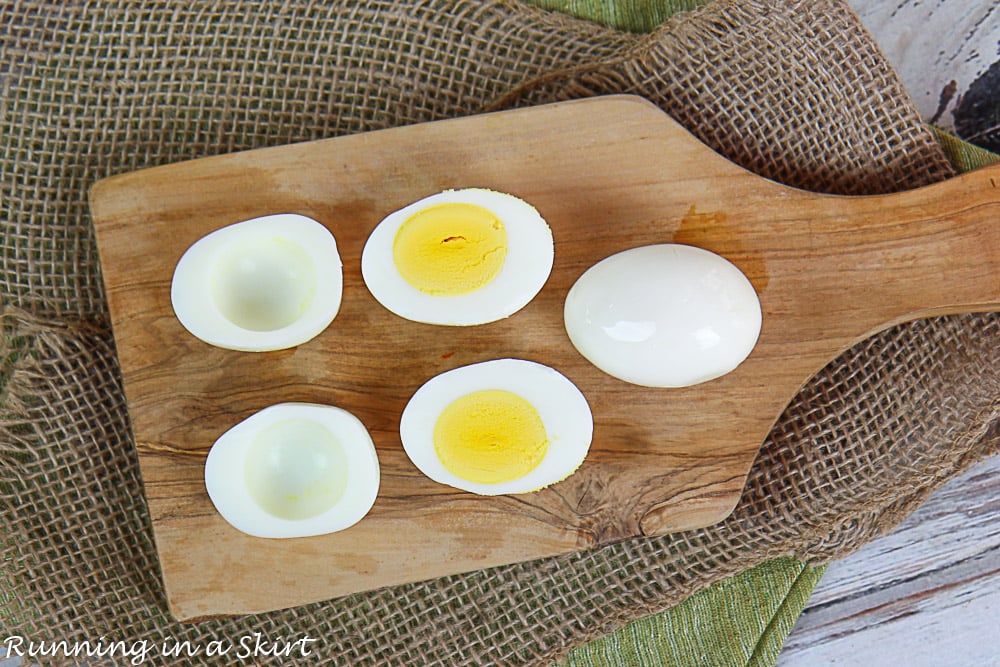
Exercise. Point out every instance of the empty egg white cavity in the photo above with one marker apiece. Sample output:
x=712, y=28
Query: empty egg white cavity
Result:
x=293, y=470
x=665, y=315
x=504, y=426
x=267, y=283
x=263, y=283
x=459, y=257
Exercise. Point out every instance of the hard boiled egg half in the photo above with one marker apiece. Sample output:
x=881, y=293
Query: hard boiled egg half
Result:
x=459, y=257
x=664, y=315
x=503, y=426
x=268, y=283
x=293, y=470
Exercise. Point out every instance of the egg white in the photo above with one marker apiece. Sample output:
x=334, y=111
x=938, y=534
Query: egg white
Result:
x=303, y=253
x=526, y=268
x=664, y=315
x=225, y=473
x=565, y=414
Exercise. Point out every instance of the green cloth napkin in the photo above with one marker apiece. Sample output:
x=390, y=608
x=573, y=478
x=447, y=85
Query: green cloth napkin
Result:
x=630, y=15
x=744, y=620
x=739, y=621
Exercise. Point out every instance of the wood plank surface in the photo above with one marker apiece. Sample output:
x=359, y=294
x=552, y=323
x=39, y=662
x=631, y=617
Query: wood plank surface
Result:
x=947, y=54
x=927, y=594
x=608, y=174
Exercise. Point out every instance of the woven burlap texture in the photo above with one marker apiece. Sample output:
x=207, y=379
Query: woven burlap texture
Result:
x=794, y=90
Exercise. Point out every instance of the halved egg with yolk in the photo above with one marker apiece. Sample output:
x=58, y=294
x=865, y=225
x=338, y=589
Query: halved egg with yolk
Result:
x=497, y=427
x=460, y=257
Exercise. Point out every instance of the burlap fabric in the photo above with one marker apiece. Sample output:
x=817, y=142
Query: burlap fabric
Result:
x=794, y=90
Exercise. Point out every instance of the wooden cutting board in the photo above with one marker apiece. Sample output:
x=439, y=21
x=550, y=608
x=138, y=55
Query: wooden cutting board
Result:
x=608, y=174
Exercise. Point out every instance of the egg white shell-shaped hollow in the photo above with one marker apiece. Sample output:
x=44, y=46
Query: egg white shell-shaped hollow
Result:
x=663, y=315
x=528, y=262
x=267, y=283
x=229, y=466
x=565, y=414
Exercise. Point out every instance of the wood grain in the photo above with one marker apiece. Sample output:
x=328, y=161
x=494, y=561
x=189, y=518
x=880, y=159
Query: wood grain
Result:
x=608, y=174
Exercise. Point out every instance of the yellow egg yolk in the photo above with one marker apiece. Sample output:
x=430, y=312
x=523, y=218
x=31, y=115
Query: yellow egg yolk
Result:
x=450, y=249
x=490, y=436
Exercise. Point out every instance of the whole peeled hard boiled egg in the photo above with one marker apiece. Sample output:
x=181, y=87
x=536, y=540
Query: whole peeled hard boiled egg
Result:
x=664, y=315
x=503, y=426
x=459, y=257
x=263, y=284
x=293, y=470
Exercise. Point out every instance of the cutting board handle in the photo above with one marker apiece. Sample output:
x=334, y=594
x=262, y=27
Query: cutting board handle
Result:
x=930, y=251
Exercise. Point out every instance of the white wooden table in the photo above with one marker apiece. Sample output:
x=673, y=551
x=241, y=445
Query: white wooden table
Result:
x=947, y=53
x=926, y=594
